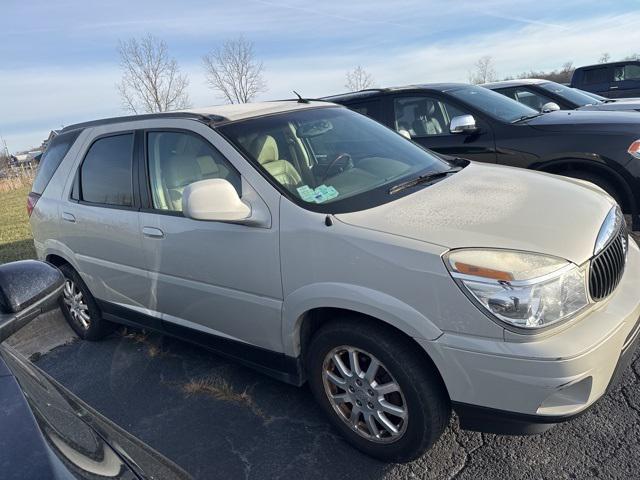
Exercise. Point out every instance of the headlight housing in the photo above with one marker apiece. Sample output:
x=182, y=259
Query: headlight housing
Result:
x=523, y=290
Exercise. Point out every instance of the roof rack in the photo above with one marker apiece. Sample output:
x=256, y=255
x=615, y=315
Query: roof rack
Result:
x=208, y=119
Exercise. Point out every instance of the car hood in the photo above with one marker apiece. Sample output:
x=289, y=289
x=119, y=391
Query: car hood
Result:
x=629, y=106
x=586, y=121
x=497, y=207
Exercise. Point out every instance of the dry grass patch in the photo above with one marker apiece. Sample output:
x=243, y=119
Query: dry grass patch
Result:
x=16, y=242
x=220, y=389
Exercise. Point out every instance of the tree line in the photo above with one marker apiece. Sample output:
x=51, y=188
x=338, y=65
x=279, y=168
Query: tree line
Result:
x=152, y=81
x=484, y=70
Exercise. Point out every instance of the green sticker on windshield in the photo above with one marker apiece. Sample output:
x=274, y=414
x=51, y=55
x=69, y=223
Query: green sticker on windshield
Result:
x=318, y=195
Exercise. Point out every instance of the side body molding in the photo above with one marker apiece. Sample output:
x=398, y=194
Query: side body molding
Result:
x=357, y=299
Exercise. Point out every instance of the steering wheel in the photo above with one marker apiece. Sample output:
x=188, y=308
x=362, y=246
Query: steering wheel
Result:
x=334, y=162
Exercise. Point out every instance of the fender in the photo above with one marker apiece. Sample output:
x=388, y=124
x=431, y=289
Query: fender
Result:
x=54, y=247
x=357, y=299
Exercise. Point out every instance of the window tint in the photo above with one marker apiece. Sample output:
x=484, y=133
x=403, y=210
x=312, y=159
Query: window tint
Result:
x=51, y=160
x=492, y=103
x=530, y=98
x=595, y=75
x=177, y=159
x=627, y=72
x=105, y=175
x=371, y=109
x=571, y=94
x=423, y=116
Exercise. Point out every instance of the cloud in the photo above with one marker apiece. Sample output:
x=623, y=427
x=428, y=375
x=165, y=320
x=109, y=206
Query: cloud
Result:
x=34, y=100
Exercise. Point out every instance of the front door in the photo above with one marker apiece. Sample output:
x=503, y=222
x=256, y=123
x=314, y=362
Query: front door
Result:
x=427, y=119
x=218, y=278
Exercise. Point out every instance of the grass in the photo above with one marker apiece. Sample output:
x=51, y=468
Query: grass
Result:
x=16, y=242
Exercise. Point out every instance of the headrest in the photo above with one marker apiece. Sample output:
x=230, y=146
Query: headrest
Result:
x=265, y=149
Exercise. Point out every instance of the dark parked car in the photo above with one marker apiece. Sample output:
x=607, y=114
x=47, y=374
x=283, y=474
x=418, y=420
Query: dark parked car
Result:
x=45, y=431
x=613, y=80
x=478, y=124
x=537, y=94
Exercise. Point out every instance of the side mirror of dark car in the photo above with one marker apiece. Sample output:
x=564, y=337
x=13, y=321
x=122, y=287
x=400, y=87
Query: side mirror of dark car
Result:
x=550, y=107
x=27, y=288
x=465, y=124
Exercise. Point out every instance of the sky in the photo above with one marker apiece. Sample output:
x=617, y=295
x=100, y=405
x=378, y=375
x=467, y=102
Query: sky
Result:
x=59, y=62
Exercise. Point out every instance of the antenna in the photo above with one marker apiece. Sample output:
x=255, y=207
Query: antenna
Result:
x=300, y=99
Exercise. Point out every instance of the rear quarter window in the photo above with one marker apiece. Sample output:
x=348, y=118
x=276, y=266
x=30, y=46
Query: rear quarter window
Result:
x=51, y=159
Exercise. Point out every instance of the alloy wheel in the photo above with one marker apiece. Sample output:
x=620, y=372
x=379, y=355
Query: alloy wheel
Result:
x=364, y=394
x=74, y=300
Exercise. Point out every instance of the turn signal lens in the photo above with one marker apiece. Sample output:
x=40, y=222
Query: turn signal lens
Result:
x=634, y=149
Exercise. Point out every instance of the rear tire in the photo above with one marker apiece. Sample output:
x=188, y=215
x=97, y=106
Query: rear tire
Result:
x=597, y=180
x=80, y=308
x=418, y=411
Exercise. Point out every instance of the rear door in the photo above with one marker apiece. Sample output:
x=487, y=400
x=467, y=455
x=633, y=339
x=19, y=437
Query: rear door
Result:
x=99, y=221
x=426, y=118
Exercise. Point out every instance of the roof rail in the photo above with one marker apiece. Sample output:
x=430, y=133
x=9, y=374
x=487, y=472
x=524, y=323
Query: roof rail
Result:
x=208, y=119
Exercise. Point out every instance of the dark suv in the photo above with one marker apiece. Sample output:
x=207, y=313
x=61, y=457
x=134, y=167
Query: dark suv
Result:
x=479, y=124
x=613, y=80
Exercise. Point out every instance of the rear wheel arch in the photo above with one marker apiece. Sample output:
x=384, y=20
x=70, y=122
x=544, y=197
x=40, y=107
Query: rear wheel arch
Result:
x=568, y=166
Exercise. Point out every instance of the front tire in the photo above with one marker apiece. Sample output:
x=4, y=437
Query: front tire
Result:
x=378, y=389
x=80, y=308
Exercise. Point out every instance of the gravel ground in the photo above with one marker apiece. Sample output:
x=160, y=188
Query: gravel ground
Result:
x=217, y=419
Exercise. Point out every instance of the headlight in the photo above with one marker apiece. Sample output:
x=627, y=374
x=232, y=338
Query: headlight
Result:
x=524, y=290
x=634, y=149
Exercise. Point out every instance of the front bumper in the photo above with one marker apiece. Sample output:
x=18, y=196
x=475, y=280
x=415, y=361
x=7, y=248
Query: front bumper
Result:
x=526, y=387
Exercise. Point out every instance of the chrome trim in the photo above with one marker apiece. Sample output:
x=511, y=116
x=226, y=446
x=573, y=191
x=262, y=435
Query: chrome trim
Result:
x=609, y=230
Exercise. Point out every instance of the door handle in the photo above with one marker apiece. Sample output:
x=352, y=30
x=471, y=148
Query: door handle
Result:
x=152, y=232
x=613, y=87
x=68, y=217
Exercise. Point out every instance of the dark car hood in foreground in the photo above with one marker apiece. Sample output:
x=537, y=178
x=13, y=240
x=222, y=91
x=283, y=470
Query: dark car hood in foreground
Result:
x=625, y=105
x=587, y=121
x=48, y=433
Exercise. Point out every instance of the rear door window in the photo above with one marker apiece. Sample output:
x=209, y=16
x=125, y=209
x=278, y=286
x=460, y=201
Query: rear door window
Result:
x=51, y=160
x=106, y=172
x=595, y=75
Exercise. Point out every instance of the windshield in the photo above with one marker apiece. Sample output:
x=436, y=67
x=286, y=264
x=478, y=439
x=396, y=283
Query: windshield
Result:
x=492, y=103
x=570, y=94
x=592, y=95
x=328, y=155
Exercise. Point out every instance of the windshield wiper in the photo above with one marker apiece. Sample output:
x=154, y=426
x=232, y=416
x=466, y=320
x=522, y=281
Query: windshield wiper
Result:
x=527, y=117
x=428, y=177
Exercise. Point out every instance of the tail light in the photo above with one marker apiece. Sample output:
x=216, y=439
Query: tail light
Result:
x=634, y=149
x=32, y=199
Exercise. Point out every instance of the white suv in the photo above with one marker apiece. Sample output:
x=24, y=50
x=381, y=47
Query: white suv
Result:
x=318, y=246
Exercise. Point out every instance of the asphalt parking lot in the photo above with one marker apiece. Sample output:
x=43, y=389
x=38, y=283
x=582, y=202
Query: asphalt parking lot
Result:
x=220, y=420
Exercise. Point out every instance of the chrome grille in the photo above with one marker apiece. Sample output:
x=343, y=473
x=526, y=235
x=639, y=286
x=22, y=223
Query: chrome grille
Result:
x=608, y=266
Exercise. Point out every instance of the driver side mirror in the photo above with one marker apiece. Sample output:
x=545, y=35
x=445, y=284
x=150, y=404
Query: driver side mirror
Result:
x=27, y=288
x=465, y=124
x=550, y=107
x=214, y=199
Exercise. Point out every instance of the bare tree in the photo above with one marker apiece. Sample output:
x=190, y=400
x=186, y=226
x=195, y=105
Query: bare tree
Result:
x=358, y=79
x=633, y=56
x=233, y=71
x=484, y=71
x=605, y=57
x=151, y=79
